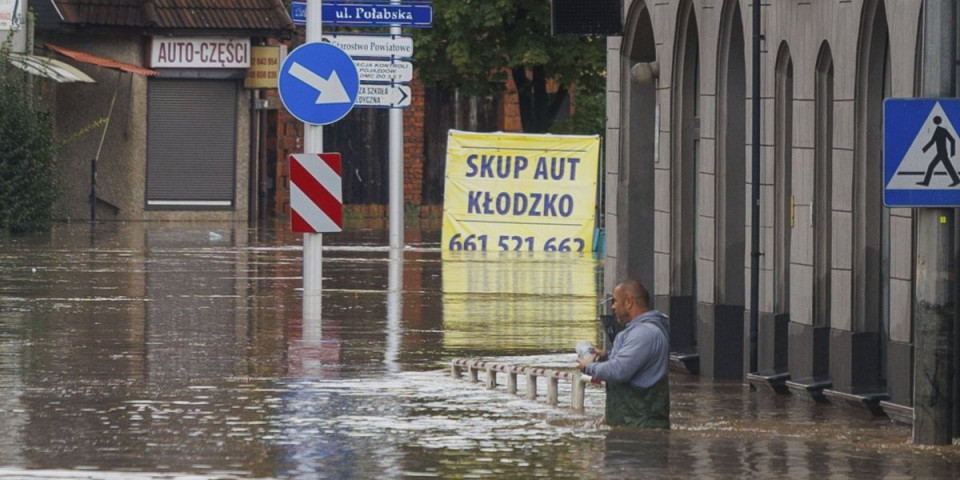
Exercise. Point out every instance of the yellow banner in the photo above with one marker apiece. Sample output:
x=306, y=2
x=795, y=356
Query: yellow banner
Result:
x=520, y=192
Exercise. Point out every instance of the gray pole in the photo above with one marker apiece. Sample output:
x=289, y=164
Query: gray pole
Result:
x=395, y=169
x=933, y=323
x=313, y=143
x=755, y=194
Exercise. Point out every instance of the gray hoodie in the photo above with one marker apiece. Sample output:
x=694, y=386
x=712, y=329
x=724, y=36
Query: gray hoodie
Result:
x=640, y=353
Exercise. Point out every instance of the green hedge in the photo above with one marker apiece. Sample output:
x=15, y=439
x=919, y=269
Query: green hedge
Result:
x=30, y=181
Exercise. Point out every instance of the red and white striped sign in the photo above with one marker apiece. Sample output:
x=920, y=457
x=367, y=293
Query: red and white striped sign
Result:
x=316, y=202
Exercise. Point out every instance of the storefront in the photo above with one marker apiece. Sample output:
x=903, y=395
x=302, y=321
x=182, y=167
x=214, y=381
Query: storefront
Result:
x=168, y=131
x=192, y=129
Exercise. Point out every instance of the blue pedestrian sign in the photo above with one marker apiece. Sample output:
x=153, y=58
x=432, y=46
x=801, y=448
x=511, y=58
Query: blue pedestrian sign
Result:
x=368, y=14
x=318, y=83
x=920, y=146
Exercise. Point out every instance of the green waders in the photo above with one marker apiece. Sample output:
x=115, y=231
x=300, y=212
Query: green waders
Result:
x=639, y=407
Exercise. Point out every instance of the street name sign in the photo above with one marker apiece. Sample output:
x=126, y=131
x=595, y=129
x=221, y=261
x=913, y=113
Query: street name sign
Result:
x=383, y=96
x=384, y=71
x=368, y=14
x=316, y=197
x=318, y=83
x=920, y=152
x=373, y=46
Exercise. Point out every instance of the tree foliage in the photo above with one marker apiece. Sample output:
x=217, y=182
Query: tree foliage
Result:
x=29, y=172
x=474, y=44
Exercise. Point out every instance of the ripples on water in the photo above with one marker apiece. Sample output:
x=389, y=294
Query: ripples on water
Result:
x=162, y=351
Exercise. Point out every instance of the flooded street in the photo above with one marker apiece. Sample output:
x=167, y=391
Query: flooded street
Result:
x=179, y=350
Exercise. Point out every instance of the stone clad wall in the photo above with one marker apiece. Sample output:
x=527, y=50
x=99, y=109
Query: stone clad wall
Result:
x=804, y=27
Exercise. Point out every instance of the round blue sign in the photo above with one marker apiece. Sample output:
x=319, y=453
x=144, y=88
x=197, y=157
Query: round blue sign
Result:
x=318, y=83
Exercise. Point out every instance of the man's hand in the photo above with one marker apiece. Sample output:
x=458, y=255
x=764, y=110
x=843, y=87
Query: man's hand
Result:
x=601, y=355
x=583, y=362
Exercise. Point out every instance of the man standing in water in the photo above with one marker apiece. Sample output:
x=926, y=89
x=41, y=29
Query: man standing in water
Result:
x=635, y=371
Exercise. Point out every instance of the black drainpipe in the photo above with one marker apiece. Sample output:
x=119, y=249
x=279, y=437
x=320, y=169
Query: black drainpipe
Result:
x=755, y=194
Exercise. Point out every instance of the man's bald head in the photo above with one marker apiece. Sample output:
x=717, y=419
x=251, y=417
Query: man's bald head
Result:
x=630, y=299
x=633, y=289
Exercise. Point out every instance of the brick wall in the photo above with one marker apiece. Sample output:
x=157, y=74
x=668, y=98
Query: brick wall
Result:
x=509, y=114
x=413, y=144
x=289, y=141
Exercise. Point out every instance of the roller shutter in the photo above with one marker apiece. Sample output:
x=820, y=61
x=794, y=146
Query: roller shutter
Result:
x=191, y=144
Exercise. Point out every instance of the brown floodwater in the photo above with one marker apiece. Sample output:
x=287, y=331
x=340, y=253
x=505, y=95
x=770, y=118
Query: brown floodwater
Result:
x=179, y=350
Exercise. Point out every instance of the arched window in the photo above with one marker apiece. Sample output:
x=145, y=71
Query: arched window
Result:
x=783, y=178
x=871, y=220
x=635, y=174
x=731, y=159
x=685, y=133
x=823, y=187
x=686, y=96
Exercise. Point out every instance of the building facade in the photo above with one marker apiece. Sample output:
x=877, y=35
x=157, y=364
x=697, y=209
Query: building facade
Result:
x=836, y=266
x=173, y=144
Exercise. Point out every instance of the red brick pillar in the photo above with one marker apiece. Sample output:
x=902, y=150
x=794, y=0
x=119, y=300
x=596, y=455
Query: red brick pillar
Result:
x=289, y=141
x=508, y=118
x=413, y=144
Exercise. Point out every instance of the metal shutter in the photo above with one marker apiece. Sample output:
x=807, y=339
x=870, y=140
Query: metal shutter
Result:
x=191, y=143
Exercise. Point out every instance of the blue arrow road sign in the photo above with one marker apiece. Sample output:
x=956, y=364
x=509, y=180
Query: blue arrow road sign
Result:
x=318, y=83
x=920, y=152
x=368, y=14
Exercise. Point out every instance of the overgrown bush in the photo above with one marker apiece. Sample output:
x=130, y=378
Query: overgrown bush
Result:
x=30, y=181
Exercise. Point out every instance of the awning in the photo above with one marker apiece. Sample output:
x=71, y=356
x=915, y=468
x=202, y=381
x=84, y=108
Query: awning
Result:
x=102, y=61
x=50, y=68
x=115, y=65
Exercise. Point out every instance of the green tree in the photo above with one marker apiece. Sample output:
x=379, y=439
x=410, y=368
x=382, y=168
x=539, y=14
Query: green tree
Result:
x=474, y=44
x=29, y=172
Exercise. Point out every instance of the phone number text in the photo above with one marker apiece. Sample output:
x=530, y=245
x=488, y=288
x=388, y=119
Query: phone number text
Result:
x=515, y=243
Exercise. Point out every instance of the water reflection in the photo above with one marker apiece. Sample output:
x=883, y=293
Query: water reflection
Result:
x=11, y=407
x=195, y=323
x=394, y=310
x=161, y=349
x=519, y=302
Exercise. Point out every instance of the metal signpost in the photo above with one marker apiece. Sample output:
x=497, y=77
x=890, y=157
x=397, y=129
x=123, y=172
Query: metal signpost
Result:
x=919, y=170
x=396, y=142
x=318, y=84
x=384, y=77
x=920, y=146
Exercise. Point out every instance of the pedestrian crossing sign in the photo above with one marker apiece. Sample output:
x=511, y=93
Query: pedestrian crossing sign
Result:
x=920, y=146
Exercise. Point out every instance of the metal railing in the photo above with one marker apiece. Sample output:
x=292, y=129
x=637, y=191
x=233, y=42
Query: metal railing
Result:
x=578, y=381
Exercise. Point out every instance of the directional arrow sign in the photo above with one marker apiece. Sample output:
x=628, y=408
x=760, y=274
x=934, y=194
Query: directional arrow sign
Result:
x=318, y=83
x=331, y=89
x=383, y=96
x=384, y=71
x=373, y=46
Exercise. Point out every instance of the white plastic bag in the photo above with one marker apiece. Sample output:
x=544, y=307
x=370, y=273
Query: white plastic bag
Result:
x=585, y=349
